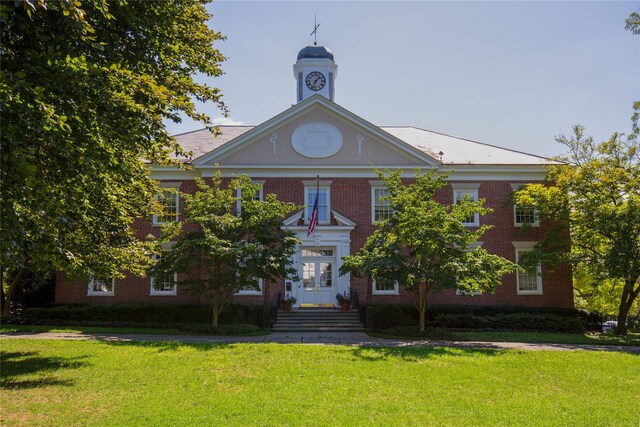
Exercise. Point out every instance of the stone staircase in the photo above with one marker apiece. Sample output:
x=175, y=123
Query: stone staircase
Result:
x=318, y=320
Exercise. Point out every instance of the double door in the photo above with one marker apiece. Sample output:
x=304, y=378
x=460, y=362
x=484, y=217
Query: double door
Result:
x=318, y=277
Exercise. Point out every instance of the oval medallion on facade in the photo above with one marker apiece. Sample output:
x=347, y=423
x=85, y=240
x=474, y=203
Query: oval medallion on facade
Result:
x=316, y=140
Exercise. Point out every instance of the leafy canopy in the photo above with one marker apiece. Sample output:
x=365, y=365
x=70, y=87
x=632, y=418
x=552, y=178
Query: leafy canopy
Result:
x=424, y=245
x=597, y=197
x=84, y=89
x=218, y=250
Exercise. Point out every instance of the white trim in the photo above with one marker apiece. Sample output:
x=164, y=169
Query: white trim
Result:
x=535, y=223
x=373, y=201
x=342, y=220
x=526, y=247
x=92, y=293
x=153, y=292
x=169, y=185
x=460, y=189
x=395, y=291
x=259, y=182
x=250, y=292
x=293, y=219
x=308, y=203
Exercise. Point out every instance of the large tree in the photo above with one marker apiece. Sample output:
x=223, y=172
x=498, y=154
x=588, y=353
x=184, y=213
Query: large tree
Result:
x=424, y=245
x=84, y=89
x=597, y=196
x=220, y=249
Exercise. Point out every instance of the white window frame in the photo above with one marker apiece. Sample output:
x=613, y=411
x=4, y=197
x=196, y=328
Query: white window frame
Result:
x=521, y=247
x=93, y=293
x=169, y=185
x=321, y=185
x=247, y=292
x=536, y=223
x=460, y=190
x=155, y=292
x=394, y=291
x=376, y=185
x=260, y=194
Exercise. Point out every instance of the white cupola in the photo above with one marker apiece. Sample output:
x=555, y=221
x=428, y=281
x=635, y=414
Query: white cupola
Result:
x=315, y=72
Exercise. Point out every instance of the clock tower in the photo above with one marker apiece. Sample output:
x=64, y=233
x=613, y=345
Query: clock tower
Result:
x=315, y=72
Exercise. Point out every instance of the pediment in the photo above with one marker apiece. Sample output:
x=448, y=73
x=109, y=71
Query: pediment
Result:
x=316, y=132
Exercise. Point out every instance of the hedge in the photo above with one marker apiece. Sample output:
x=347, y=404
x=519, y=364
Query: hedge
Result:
x=490, y=317
x=159, y=315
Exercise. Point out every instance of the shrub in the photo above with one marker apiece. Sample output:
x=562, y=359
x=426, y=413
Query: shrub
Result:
x=486, y=317
x=391, y=315
x=142, y=314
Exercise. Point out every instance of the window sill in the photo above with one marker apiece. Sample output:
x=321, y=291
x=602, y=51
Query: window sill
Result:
x=530, y=293
x=100, y=294
x=385, y=293
x=247, y=293
x=163, y=294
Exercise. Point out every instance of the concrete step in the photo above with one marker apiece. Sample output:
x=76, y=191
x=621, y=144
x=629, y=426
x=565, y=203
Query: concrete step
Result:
x=318, y=320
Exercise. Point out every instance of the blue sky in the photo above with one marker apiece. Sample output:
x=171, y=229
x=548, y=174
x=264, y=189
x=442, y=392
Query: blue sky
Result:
x=514, y=74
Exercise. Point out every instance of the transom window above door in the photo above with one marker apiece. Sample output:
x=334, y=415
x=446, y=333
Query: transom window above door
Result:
x=317, y=252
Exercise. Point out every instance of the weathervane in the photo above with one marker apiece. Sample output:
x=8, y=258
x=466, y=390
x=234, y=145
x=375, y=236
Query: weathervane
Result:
x=314, y=33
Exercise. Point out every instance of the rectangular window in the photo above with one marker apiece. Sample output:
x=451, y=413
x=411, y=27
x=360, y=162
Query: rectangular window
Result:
x=165, y=284
x=385, y=288
x=323, y=204
x=257, y=196
x=459, y=195
x=101, y=287
x=525, y=215
x=381, y=208
x=251, y=290
x=529, y=283
x=169, y=200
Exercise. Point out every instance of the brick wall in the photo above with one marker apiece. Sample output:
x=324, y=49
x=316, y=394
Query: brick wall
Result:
x=351, y=197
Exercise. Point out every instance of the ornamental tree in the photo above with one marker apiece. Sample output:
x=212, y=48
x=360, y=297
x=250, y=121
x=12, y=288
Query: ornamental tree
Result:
x=84, y=89
x=218, y=250
x=597, y=196
x=424, y=245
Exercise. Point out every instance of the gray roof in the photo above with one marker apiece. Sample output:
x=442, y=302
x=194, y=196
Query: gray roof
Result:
x=454, y=150
x=315, y=52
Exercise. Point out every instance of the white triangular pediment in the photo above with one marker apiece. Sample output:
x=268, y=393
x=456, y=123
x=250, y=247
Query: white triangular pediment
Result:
x=316, y=133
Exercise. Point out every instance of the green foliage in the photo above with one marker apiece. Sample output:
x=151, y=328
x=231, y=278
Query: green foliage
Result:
x=596, y=195
x=141, y=315
x=424, y=245
x=219, y=250
x=84, y=89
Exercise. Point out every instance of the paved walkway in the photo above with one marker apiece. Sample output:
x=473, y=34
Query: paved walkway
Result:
x=314, y=338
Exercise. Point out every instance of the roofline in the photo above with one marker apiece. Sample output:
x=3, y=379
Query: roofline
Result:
x=471, y=140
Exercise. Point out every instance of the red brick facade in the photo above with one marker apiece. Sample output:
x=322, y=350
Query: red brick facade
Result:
x=351, y=197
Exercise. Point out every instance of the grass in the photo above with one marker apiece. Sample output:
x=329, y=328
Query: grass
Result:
x=412, y=333
x=111, y=384
x=88, y=329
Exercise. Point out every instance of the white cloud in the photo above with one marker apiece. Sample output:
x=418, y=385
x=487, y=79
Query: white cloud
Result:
x=226, y=121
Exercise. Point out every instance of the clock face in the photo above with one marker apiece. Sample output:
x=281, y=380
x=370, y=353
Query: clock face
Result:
x=315, y=81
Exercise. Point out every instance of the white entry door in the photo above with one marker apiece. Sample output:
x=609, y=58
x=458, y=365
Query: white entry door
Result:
x=318, y=277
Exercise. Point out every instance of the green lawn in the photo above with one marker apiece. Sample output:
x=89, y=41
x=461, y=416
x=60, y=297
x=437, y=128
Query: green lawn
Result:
x=98, y=383
x=412, y=333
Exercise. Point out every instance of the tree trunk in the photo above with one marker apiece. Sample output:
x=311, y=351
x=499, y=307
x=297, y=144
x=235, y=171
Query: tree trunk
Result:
x=422, y=306
x=215, y=313
x=629, y=295
x=15, y=282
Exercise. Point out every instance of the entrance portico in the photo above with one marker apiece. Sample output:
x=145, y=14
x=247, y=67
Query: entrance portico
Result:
x=317, y=260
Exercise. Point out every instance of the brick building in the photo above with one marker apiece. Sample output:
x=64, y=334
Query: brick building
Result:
x=317, y=137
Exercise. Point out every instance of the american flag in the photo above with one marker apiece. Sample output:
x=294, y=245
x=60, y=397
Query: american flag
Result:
x=314, y=213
